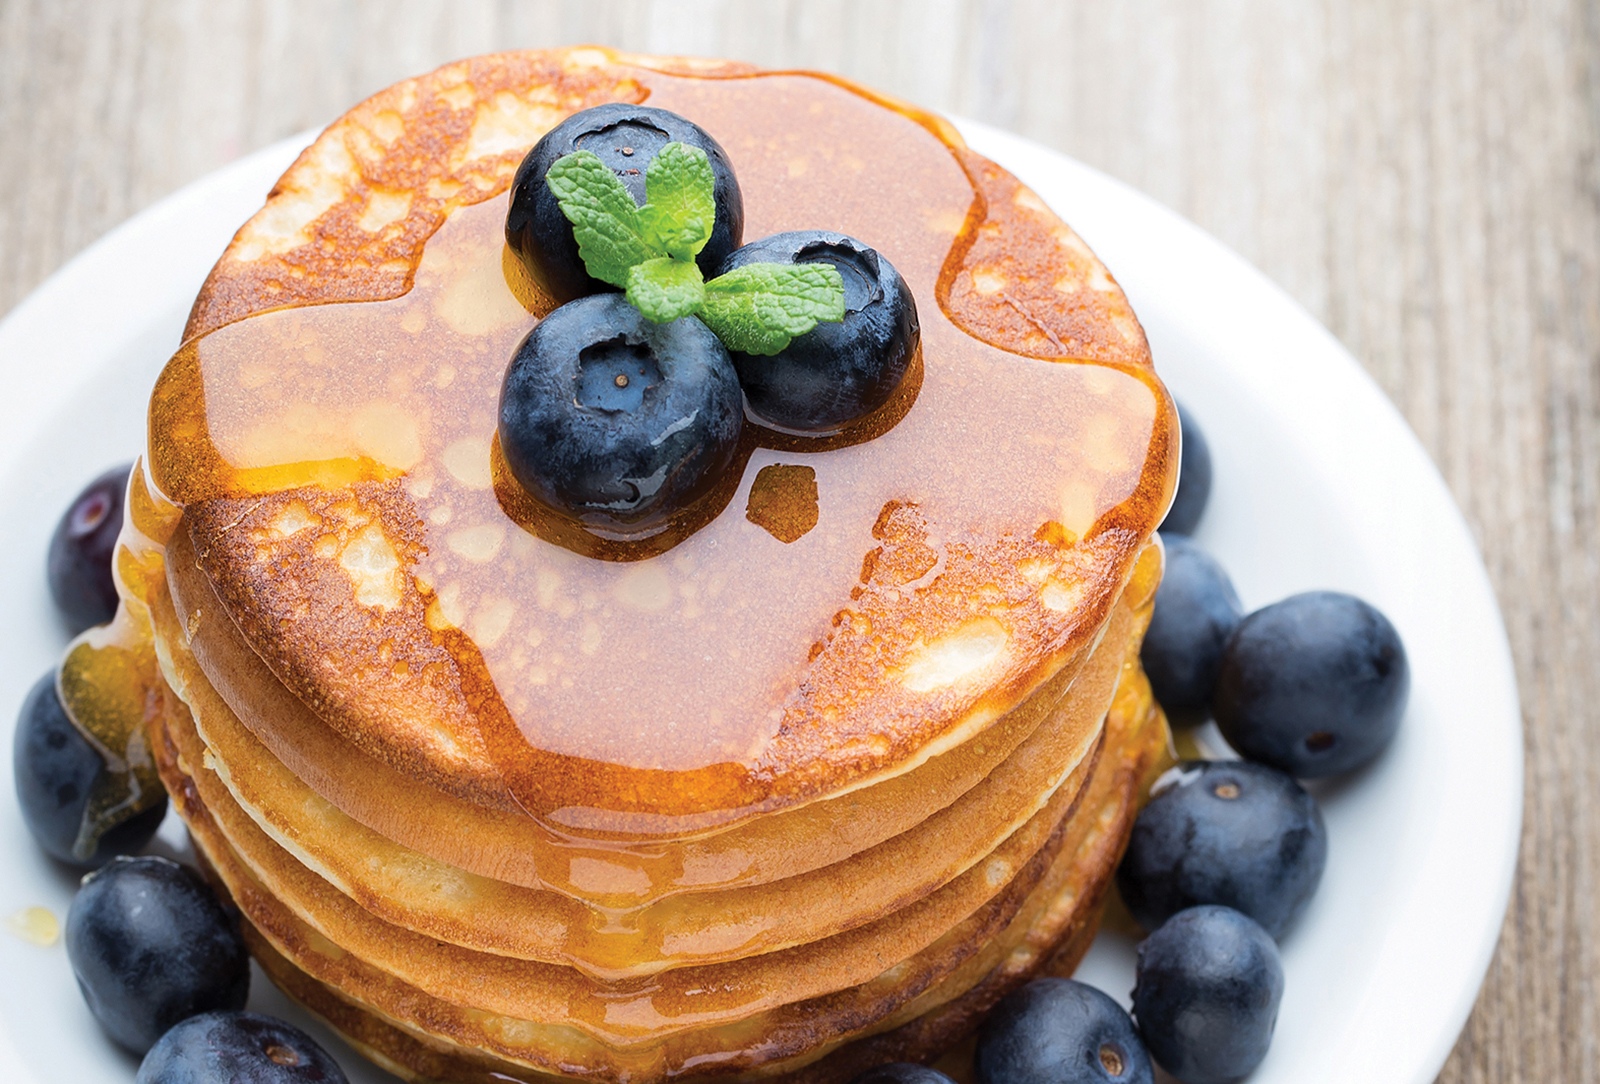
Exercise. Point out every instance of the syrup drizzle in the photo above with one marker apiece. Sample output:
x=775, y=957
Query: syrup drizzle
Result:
x=695, y=659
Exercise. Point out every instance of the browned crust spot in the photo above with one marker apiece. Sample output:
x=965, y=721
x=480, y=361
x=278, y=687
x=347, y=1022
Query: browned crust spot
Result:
x=299, y=612
x=1024, y=280
x=403, y=160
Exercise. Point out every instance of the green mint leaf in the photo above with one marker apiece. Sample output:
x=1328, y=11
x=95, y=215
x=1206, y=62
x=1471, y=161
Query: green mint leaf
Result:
x=681, y=206
x=664, y=289
x=758, y=308
x=605, y=220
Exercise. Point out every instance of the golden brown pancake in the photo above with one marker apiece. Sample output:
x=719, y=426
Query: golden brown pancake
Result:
x=821, y=708
x=498, y=797
x=485, y=915
x=481, y=912
x=463, y=999
x=510, y=848
x=1049, y=938
x=374, y=961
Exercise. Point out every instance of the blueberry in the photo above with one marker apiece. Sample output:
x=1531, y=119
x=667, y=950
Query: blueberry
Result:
x=237, y=1048
x=837, y=372
x=78, y=567
x=627, y=138
x=1196, y=611
x=56, y=769
x=902, y=1072
x=1314, y=685
x=615, y=421
x=151, y=946
x=1056, y=1031
x=1206, y=994
x=1242, y=835
x=1194, y=479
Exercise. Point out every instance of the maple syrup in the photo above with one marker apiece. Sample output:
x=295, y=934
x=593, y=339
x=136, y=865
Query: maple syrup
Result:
x=692, y=657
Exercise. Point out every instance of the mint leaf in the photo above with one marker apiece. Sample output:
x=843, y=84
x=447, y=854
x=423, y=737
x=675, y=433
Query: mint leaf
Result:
x=758, y=308
x=605, y=220
x=681, y=206
x=664, y=289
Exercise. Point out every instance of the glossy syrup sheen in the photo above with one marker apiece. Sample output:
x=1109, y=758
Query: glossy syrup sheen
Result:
x=689, y=658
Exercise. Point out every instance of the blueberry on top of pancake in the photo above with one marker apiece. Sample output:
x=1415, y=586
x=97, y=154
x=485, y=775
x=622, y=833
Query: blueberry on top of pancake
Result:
x=836, y=373
x=626, y=137
x=615, y=420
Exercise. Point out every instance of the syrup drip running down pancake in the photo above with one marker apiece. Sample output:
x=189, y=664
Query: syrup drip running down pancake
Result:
x=336, y=469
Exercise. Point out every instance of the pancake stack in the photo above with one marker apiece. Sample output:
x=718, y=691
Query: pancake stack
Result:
x=757, y=804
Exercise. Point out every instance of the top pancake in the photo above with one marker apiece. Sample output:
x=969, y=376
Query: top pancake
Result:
x=335, y=467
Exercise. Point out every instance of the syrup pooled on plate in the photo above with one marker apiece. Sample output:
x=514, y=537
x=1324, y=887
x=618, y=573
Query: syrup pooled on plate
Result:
x=687, y=685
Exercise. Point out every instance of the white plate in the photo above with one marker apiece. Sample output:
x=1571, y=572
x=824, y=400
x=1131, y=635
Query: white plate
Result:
x=1319, y=484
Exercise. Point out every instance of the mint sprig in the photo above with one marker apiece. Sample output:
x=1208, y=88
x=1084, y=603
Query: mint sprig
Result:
x=650, y=251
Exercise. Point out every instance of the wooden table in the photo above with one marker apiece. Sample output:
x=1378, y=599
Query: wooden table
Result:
x=1423, y=176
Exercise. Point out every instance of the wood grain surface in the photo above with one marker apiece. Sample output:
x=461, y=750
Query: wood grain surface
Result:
x=1422, y=176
